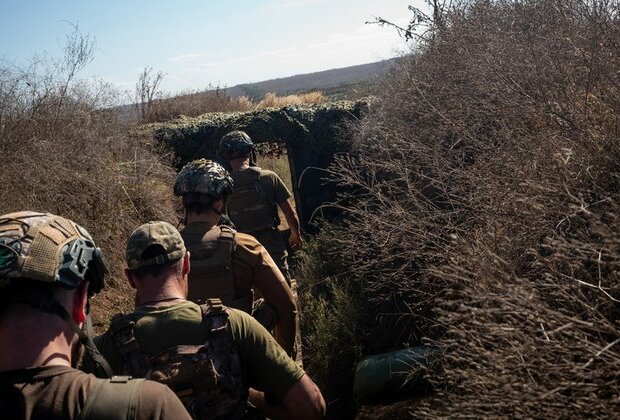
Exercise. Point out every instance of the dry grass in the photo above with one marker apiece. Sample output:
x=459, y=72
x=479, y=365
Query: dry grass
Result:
x=63, y=152
x=272, y=100
x=192, y=104
x=483, y=201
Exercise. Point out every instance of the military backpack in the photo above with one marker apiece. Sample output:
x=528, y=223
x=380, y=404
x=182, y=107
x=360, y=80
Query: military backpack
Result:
x=207, y=378
x=249, y=206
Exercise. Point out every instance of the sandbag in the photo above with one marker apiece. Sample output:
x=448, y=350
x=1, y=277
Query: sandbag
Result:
x=388, y=373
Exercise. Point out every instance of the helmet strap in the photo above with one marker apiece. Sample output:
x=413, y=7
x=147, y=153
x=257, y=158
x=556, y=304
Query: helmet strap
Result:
x=89, y=326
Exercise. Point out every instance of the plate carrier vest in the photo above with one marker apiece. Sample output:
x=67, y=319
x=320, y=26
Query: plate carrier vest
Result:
x=248, y=206
x=211, y=276
x=207, y=378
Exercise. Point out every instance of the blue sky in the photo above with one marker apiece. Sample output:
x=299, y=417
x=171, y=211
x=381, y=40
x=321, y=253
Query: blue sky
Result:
x=196, y=43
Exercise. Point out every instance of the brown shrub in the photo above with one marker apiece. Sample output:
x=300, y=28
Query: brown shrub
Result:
x=192, y=104
x=483, y=209
x=63, y=150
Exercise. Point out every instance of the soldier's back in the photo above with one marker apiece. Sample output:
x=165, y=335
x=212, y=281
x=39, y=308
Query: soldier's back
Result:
x=61, y=392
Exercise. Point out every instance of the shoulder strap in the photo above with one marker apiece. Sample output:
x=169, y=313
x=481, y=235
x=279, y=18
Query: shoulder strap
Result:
x=215, y=315
x=227, y=239
x=122, y=329
x=112, y=399
x=227, y=233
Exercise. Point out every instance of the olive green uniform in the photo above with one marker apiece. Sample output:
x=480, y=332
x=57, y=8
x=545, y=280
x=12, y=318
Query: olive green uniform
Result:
x=266, y=367
x=252, y=269
x=61, y=392
x=262, y=223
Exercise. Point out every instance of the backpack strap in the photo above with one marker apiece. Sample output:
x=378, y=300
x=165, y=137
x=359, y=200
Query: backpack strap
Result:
x=215, y=315
x=228, y=234
x=112, y=399
x=133, y=361
x=227, y=244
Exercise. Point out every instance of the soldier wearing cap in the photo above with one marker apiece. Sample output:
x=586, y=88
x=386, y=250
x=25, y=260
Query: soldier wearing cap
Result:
x=208, y=354
x=227, y=264
x=49, y=268
x=253, y=204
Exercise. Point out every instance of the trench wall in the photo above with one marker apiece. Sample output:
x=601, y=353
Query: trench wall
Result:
x=313, y=135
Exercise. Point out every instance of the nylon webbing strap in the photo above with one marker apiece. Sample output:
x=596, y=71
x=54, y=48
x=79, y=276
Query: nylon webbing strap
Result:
x=50, y=305
x=114, y=399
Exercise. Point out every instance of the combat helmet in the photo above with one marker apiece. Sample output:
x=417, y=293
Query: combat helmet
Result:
x=47, y=248
x=202, y=180
x=236, y=144
x=42, y=248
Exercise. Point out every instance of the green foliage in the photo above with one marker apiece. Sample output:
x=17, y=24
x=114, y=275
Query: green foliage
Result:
x=332, y=314
x=254, y=92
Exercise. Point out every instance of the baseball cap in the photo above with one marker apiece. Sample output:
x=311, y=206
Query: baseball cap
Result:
x=164, y=237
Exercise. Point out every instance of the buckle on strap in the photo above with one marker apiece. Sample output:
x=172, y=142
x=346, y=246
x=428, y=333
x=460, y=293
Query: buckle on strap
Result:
x=227, y=233
x=212, y=306
x=123, y=334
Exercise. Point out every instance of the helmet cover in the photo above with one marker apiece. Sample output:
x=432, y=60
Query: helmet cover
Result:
x=236, y=144
x=51, y=249
x=203, y=176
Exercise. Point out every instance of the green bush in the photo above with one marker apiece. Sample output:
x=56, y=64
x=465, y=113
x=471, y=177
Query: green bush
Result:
x=330, y=318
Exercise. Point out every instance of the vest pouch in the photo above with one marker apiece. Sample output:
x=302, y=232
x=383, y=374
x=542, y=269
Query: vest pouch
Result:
x=207, y=378
x=187, y=370
x=265, y=314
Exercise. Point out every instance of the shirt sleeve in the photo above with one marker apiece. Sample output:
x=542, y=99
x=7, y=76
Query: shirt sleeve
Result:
x=270, y=282
x=280, y=191
x=157, y=401
x=266, y=365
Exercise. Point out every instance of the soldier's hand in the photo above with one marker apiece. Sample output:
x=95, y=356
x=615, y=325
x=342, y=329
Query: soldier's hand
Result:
x=295, y=241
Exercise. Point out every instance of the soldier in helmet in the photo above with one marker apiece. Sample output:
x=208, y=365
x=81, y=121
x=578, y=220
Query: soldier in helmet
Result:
x=210, y=355
x=227, y=264
x=49, y=268
x=252, y=206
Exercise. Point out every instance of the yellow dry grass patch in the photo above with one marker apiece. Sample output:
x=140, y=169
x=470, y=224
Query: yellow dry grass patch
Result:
x=272, y=100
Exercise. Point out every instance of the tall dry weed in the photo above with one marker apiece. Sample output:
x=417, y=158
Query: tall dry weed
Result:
x=64, y=149
x=192, y=104
x=272, y=100
x=482, y=213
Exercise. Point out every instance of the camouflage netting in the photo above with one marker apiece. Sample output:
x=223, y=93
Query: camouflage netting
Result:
x=313, y=135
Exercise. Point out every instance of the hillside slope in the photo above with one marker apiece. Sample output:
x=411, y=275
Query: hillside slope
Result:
x=323, y=80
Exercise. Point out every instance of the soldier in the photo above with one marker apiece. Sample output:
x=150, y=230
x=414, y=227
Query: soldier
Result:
x=209, y=354
x=252, y=205
x=49, y=268
x=228, y=265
